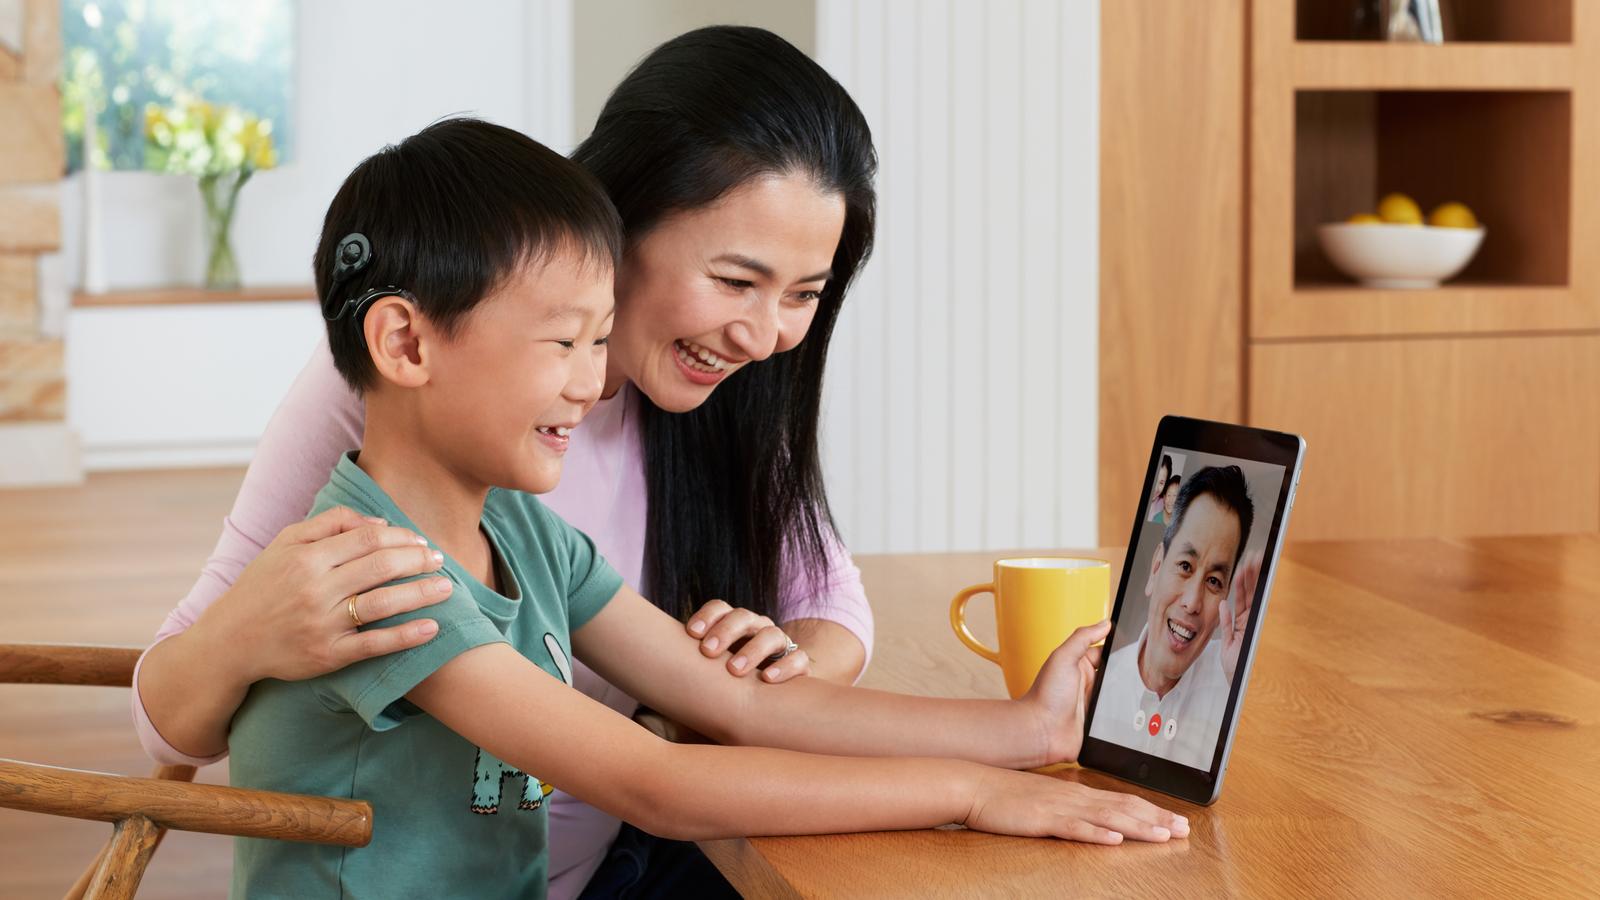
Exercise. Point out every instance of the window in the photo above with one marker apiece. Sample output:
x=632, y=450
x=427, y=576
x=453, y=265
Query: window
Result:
x=121, y=57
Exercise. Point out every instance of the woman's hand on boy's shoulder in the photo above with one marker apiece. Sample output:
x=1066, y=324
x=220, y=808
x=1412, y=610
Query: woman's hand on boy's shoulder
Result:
x=295, y=610
x=752, y=641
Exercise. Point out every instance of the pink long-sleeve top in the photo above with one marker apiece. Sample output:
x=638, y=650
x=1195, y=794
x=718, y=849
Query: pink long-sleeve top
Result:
x=602, y=493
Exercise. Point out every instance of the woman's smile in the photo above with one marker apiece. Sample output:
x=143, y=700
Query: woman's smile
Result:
x=709, y=290
x=700, y=364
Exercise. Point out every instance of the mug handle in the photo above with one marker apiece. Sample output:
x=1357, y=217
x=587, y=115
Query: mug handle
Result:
x=958, y=621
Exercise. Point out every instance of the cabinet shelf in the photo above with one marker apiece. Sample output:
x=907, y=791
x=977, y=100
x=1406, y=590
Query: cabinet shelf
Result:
x=1343, y=310
x=1468, y=21
x=184, y=295
x=1360, y=65
x=1506, y=154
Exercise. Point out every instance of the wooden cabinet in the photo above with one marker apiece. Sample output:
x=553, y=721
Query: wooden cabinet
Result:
x=1470, y=409
x=1470, y=435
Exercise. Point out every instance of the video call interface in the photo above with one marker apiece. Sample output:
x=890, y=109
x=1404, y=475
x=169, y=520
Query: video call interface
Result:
x=1190, y=594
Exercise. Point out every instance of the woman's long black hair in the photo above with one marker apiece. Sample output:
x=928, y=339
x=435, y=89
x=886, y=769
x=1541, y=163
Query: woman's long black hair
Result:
x=735, y=486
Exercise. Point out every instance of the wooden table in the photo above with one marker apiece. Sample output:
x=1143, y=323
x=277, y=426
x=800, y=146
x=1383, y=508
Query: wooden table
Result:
x=1422, y=720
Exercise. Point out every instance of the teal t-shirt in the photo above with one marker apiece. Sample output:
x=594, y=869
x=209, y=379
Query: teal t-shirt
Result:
x=449, y=820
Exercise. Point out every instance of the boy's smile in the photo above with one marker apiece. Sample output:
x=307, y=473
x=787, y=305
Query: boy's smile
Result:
x=556, y=437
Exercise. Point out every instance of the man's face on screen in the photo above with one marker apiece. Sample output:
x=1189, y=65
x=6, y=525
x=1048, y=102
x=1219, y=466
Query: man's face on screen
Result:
x=1187, y=583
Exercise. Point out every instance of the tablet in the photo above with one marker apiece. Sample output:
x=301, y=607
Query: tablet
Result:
x=1190, y=605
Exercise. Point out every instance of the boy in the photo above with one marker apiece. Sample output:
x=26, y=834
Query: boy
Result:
x=466, y=274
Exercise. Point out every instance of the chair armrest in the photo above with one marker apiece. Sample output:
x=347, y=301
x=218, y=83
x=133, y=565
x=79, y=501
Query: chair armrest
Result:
x=210, y=808
x=68, y=664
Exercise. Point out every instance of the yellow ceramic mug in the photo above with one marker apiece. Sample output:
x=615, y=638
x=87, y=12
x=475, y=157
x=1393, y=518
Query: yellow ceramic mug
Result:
x=1038, y=602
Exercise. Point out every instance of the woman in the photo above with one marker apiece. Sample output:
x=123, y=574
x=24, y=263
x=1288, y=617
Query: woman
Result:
x=743, y=174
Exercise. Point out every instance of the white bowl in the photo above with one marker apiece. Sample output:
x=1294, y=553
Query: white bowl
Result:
x=1399, y=256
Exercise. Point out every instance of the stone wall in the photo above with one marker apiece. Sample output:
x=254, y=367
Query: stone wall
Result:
x=36, y=446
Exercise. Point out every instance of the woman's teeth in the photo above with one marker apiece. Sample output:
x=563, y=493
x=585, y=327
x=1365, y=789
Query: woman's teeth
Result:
x=554, y=430
x=699, y=358
x=1182, y=633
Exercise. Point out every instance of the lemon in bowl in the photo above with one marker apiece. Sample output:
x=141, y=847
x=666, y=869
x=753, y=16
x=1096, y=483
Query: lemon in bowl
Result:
x=1398, y=209
x=1452, y=215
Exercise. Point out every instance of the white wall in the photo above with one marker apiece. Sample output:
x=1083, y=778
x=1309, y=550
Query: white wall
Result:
x=961, y=401
x=611, y=36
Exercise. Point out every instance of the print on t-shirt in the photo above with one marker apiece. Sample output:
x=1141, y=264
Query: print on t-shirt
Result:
x=489, y=773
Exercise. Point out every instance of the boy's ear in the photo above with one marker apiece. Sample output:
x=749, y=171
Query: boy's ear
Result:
x=397, y=338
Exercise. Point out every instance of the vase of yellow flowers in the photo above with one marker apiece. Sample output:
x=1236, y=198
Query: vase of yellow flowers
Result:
x=222, y=147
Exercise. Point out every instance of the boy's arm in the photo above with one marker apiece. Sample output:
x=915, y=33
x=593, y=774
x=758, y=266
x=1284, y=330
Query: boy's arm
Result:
x=494, y=697
x=503, y=703
x=637, y=647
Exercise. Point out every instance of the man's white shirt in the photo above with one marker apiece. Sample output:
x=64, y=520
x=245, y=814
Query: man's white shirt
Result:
x=1190, y=715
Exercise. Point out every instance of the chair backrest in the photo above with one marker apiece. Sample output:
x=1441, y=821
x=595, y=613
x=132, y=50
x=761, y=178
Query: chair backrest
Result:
x=142, y=809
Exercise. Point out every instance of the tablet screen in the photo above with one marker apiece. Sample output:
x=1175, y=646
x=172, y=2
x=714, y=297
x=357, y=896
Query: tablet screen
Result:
x=1186, y=601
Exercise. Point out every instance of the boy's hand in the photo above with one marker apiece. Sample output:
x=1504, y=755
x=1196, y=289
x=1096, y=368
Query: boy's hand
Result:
x=751, y=640
x=1029, y=805
x=1060, y=695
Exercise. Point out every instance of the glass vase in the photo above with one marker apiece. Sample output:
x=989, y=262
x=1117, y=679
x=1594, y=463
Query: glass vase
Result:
x=220, y=194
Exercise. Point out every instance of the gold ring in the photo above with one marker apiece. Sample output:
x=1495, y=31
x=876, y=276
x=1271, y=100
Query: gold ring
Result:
x=350, y=607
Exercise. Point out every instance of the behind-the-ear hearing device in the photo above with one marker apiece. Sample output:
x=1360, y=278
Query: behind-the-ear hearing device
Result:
x=351, y=259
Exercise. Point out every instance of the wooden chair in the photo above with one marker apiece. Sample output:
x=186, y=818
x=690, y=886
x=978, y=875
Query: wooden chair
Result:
x=142, y=809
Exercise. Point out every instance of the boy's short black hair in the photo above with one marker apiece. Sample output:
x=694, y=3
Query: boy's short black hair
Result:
x=451, y=213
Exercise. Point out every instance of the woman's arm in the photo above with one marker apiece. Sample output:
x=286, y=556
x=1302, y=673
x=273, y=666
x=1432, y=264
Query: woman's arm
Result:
x=825, y=610
x=747, y=639
x=286, y=618
x=264, y=604
x=826, y=613
x=637, y=647
x=834, y=652
x=501, y=702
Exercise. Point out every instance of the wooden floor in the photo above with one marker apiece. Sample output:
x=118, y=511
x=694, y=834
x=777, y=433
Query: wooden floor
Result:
x=102, y=563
